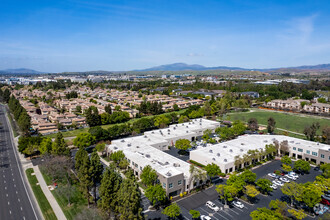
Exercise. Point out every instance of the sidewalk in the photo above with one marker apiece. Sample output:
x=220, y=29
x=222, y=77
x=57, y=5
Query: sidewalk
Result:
x=51, y=199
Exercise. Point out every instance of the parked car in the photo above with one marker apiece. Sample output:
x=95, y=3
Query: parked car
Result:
x=290, y=177
x=238, y=204
x=317, y=168
x=277, y=182
x=283, y=179
x=325, y=202
x=205, y=217
x=320, y=209
x=212, y=206
x=273, y=186
x=293, y=174
x=272, y=175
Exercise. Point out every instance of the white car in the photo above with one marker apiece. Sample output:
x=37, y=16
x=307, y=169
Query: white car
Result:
x=212, y=206
x=273, y=186
x=205, y=217
x=277, y=182
x=272, y=175
x=238, y=204
x=294, y=174
x=283, y=179
x=290, y=177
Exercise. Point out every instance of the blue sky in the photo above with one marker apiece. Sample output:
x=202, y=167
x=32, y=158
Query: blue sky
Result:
x=81, y=35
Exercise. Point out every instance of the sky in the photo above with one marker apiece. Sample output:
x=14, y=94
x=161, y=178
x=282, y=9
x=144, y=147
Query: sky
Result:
x=81, y=35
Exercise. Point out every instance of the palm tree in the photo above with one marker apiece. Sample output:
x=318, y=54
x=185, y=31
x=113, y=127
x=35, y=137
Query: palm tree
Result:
x=246, y=159
x=238, y=162
x=196, y=174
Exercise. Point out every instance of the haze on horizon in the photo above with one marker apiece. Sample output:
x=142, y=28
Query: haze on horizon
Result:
x=78, y=35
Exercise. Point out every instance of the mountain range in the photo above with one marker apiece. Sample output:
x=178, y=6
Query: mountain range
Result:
x=184, y=66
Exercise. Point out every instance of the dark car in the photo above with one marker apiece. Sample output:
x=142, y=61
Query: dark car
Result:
x=317, y=168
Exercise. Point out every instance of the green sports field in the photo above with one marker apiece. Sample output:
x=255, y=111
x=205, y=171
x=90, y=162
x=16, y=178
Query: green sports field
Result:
x=287, y=121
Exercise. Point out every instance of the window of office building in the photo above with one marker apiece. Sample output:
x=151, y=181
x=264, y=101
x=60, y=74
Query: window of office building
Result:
x=308, y=151
x=294, y=148
x=179, y=182
x=322, y=155
x=300, y=150
x=170, y=185
x=164, y=185
x=314, y=153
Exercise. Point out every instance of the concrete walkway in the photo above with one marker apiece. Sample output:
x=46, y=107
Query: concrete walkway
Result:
x=51, y=199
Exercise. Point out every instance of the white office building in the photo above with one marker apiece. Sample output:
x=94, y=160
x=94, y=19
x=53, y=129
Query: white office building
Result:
x=173, y=173
x=223, y=154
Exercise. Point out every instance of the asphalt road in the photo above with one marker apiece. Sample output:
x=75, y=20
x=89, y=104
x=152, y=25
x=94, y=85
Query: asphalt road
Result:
x=15, y=199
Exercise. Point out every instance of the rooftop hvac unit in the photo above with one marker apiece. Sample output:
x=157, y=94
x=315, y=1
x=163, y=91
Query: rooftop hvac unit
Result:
x=168, y=174
x=265, y=141
x=128, y=145
x=148, y=155
x=230, y=150
x=168, y=130
x=241, y=150
x=225, y=160
x=187, y=131
x=137, y=147
x=225, y=146
x=291, y=142
x=122, y=140
x=189, y=123
x=152, y=132
x=167, y=163
x=213, y=158
x=187, y=126
x=218, y=154
x=176, y=164
x=168, y=133
x=115, y=148
x=242, y=143
x=211, y=151
x=145, y=136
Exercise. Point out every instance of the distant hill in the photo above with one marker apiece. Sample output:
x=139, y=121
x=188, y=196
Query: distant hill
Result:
x=184, y=66
x=19, y=71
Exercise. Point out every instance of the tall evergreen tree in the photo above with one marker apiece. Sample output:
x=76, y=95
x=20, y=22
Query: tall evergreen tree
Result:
x=108, y=109
x=96, y=169
x=59, y=146
x=110, y=185
x=84, y=176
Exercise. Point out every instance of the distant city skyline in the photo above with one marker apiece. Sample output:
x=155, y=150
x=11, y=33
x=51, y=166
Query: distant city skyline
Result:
x=77, y=35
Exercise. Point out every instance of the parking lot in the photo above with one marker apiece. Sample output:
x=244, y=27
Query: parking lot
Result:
x=198, y=200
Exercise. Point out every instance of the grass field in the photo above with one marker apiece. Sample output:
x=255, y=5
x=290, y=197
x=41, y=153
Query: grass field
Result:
x=287, y=121
x=74, y=133
x=44, y=205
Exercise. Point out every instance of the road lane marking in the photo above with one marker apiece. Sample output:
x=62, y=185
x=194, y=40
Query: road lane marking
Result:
x=6, y=195
x=21, y=208
x=19, y=200
x=8, y=203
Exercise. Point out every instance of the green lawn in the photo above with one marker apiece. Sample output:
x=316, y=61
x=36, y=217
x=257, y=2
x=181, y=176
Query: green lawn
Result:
x=74, y=133
x=78, y=201
x=287, y=121
x=44, y=205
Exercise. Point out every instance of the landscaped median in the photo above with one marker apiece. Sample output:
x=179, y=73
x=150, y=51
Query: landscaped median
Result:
x=44, y=205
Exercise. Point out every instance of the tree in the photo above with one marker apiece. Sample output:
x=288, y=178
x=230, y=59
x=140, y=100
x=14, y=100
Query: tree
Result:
x=248, y=176
x=207, y=135
x=156, y=194
x=286, y=168
x=196, y=174
x=183, y=119
x=176, y=107
x=6, y=95
x=172, y=211
x=251, y=192
x=226, y=192
x=45, y=146
x=108, y=109
x=148, y=176
x=109, y=187
x=302, y=165
x=182, y=144
x=84, y=140
x=293, y=190
x=311, y=195
x=326, y=135
x=92, y=116
x=129, y=200
x=286, y=160
x=212, y=170
x=265, y=214
x=59, y=146
x=326, y=170
x=238, y=162
x=84, y=176
x=278, y=206
x=298, y=214
x=123, y=164
x=253, y=124
x=238, y=127
x=194, y=214
x=264, y=185
x=100, y=147
x=117, y=156
x=237, y=182
x=161, y=121
x=96, y=170
x=271, y=125
x=81, y=153
x=310, y=131
x=99, y=133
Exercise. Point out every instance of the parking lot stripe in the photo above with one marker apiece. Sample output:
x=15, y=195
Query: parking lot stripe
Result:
x=221, y=215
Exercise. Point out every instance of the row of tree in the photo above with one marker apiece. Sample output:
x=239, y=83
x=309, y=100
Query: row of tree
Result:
x=151, y=108
x=20, y=115
x=93, y=118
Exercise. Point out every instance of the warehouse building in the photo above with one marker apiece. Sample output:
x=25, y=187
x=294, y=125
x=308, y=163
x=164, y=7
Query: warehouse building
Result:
x=173, y=173
x=223, y=154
